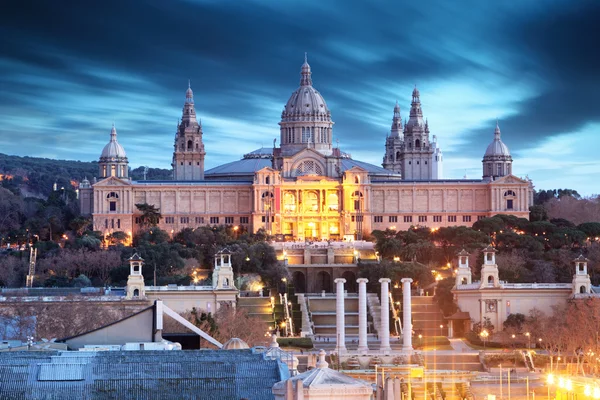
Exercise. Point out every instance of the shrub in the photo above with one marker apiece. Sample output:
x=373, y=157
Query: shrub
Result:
x=303, y=343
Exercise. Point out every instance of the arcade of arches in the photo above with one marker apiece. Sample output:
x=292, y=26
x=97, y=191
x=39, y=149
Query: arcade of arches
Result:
x=315, y=279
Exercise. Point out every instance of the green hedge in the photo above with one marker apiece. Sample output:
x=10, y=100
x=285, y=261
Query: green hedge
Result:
x=304, y=343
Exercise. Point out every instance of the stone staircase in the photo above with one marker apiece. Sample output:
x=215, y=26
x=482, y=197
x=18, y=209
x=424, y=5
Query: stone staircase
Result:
x=374, y=309
x=427, y=317
x=258, y=307
x=322, y=313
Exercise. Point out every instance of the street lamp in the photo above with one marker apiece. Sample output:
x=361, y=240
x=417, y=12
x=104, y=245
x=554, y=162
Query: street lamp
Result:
x=528, y=340
x=421, y=340
x=441, y=330
x=484, y=335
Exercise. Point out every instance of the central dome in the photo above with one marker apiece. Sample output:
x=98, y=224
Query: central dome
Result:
x=306, y=120
x=306, y=103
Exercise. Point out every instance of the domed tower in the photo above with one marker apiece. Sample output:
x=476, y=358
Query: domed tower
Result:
x=306, y=120
x=394, y=144
x=417, y=154
x=188, y=152
x=497, y=160
x=113, y=160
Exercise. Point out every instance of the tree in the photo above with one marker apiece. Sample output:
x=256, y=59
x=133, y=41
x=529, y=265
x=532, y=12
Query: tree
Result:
x=234, y=322
x=444, y=297
x=591, y=229
x=118, y=237
x=11, y=209
x=538, y=213
x=79, y=225
x=514, y=322
x=150, y=214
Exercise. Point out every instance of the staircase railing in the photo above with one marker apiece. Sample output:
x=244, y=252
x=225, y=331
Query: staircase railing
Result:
x=397, y=323
x=306, y=324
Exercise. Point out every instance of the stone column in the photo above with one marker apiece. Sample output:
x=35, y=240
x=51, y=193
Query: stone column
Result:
x=339, y=316
x=384, y=334
x=362, y=315
x=407, y=311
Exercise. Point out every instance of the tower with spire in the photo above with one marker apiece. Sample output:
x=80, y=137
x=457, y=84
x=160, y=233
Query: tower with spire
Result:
x=411, y=153
x=113, y=160
x=497, y=161
x=188, y=152
x=394, y=143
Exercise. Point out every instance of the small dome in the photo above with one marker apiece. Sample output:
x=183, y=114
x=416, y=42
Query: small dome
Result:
x=235, y=344
x=113, y=150
x=497, y=147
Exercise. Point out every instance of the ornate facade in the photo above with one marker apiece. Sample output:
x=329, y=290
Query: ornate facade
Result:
x=307, y=188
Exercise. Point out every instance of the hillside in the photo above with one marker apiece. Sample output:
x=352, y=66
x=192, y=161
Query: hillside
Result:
x=35, y=176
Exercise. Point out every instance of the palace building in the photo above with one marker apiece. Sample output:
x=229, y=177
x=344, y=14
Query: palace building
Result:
x=307, y=188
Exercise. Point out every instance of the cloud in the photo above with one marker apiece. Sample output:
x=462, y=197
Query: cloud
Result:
x=67, y=72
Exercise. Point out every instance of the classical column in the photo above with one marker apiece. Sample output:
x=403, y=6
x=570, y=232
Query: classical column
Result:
x=339, y=316
x=407, y=311
x=384, y=334
x=362, y=315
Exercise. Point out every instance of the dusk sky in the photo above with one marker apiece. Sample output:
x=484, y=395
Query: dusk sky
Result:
x=68, y=69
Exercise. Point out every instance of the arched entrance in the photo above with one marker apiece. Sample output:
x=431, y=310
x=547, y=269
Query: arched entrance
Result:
x=323, y=282
x=350, y=284
x=136, y=293
x=299, y=282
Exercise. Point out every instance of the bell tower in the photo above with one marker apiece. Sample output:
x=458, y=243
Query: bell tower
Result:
x=581, y=280
x=417, y=153
x=188, y=152
x=223, y=272
x=394, y=144
x=135, y=280
x=490, y=277
x=463, y=273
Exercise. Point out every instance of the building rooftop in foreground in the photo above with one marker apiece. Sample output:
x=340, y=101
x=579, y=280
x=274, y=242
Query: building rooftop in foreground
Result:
x=194, y=374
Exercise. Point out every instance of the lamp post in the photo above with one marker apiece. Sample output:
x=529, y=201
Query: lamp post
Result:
x=484, y=335
x=528, y=340
x=441, y=330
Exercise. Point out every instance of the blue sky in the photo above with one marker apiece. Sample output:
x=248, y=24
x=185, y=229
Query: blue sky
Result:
x=69, y=69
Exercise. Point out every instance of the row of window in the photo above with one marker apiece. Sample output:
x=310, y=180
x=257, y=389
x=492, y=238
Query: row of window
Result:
x=423, y=218
x=200, y=220
x=309, y=134
x=111, y=223
x=190, y=163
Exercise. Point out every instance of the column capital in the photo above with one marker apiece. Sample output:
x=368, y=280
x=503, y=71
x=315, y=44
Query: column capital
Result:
x=404, y=280
x=340, y=280
x=362, y=280
x=385, y=280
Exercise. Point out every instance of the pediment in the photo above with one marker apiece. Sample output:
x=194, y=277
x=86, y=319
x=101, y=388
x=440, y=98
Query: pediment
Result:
x=509, y=179
x=266, y=170
x=112, y=181
x=308, y=153
x=357, y=170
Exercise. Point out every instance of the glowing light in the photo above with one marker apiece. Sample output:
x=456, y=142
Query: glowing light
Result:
x=569, y=385
x=550, y=379
x=561, y=382
x=587, y=390
x=597, y=393
x=235, y=228
x=397, y=259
